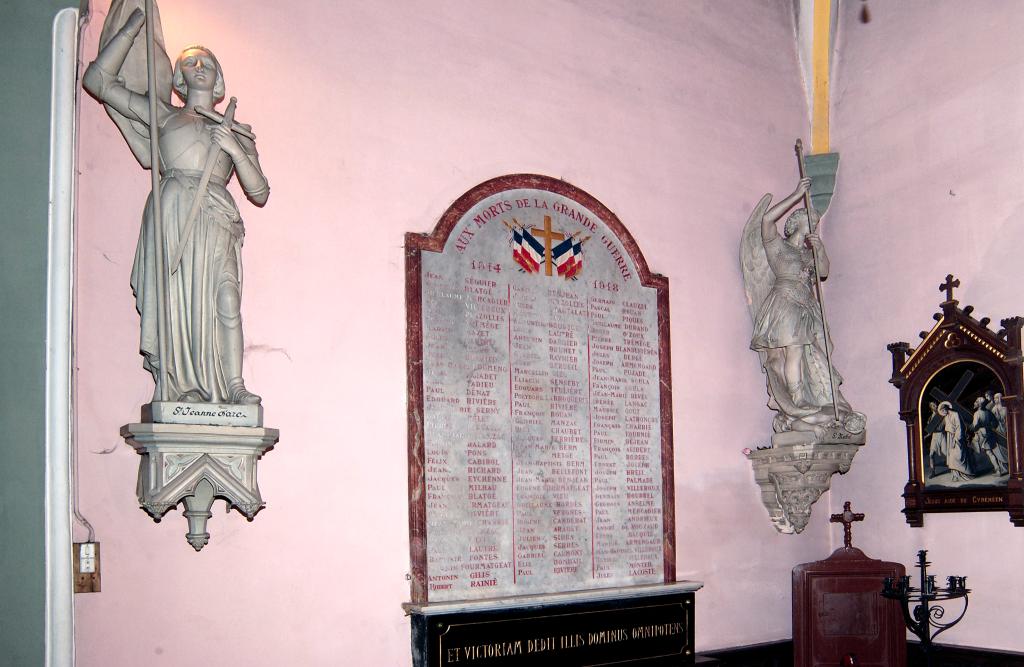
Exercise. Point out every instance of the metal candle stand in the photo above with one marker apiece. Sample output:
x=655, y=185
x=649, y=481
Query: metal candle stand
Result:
x=925, y=614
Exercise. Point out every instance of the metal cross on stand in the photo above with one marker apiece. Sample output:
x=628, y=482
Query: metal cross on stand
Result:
x=948, y=286
x=847, y=517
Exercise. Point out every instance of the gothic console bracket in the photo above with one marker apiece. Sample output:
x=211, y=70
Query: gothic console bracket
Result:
x=196, y=464
x=793, y=477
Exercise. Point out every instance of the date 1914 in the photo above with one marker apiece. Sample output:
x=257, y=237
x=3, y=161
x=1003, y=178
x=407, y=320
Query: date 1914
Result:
x=493, y=267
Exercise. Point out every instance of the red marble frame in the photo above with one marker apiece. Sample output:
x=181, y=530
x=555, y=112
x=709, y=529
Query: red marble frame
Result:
x=415, y=244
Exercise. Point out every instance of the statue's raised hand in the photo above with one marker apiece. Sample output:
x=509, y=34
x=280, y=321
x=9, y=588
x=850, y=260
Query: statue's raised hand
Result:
x=135, y=22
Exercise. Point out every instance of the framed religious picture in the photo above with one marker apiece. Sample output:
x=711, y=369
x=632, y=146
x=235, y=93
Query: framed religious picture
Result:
x=960, y=397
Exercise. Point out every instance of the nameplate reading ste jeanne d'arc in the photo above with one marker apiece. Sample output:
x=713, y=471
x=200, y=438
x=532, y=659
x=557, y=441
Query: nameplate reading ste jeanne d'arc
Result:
x=540, y=412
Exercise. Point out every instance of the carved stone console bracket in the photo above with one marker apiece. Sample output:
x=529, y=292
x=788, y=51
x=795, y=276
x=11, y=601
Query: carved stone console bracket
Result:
x=198, y=464
x=793, y=477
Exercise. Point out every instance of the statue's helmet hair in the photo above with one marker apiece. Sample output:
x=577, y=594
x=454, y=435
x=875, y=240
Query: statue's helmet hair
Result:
x=178, y=78
x=798, y=218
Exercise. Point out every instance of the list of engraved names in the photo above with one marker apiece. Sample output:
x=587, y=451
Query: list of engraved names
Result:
x=542, y=430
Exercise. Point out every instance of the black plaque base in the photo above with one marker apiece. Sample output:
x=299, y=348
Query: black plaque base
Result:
x=650, y=625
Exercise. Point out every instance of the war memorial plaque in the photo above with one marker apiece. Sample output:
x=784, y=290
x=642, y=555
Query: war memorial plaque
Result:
x=539, y=399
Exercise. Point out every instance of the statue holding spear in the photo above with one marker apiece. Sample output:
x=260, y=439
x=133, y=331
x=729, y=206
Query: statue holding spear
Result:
x=187, y=275
x=782, y=277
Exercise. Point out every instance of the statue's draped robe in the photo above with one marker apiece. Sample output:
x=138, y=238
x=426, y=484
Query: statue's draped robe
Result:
x=210, y=263
x=789, y=316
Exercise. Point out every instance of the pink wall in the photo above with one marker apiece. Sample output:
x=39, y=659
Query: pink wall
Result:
x=929, y=120
x=372, y=118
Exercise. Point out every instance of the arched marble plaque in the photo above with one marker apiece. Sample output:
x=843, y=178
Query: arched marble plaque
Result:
x=540, y=431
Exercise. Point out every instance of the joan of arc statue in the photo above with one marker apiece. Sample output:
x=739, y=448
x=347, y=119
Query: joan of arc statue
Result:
x=196, y=242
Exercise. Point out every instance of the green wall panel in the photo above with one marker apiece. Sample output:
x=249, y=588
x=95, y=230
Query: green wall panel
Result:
x=25, y=32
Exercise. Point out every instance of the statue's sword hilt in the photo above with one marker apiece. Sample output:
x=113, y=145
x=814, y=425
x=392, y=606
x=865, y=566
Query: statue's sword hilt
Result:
x=234, y=127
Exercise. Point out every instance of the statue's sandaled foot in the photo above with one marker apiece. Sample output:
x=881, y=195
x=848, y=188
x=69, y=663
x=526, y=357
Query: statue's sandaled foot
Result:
x=237, y=393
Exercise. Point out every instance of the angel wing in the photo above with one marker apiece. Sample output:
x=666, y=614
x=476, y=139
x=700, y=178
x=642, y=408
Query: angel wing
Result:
x=757, y=275
x=135, y=72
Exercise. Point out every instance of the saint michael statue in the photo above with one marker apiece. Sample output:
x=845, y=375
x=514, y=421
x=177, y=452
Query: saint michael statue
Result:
x=782, y=275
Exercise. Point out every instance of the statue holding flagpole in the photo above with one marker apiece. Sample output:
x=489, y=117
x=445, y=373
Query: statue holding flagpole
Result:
x=815, y=431
x=782, y=276
x=187, y=275
x=202, y=435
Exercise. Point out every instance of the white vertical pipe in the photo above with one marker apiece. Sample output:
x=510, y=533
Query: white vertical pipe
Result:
x=60, y=617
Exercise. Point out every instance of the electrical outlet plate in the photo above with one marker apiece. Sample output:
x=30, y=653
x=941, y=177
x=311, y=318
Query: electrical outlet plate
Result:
x=86, y=562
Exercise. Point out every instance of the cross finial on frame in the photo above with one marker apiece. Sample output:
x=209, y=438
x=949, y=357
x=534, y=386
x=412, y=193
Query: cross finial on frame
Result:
x=948, y=286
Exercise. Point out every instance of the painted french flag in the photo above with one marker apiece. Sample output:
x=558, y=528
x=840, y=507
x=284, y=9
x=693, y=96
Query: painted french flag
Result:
x=527, y=251
x=568, y=257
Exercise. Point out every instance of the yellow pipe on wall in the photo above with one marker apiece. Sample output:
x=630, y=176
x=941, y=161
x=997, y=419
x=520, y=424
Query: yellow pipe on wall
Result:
x=821, y=48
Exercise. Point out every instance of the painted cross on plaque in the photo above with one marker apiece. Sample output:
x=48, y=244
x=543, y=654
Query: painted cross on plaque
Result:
x=564, y=259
